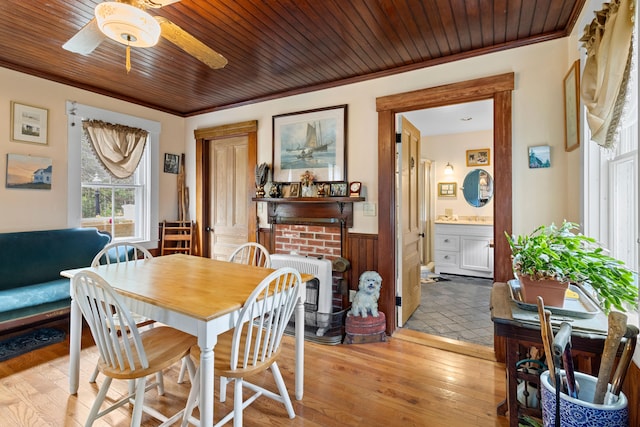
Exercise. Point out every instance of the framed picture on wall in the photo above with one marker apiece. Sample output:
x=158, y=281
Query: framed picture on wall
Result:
x=314, y=141
x=29, y=172
x=571, y=108
x=539, y=157
x=171, y=163
x=447, y=189
x=29, y=124
x=481, y=157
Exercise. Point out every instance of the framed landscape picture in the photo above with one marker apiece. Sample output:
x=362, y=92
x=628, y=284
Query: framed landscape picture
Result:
x=29, y=172
x=314, y=141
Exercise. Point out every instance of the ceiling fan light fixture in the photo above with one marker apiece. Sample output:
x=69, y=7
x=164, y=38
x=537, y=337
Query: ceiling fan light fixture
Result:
x=127, y=24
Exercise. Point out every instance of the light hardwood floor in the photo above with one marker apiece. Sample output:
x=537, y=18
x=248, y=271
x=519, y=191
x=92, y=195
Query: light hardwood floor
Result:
x=396, y=383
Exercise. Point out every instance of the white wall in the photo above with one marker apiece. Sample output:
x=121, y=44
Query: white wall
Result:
x=47, y=209
x=452, y=149
x=539, y=196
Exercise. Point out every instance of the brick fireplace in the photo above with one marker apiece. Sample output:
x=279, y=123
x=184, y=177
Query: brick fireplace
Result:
x=311, y=240
x=313, y=227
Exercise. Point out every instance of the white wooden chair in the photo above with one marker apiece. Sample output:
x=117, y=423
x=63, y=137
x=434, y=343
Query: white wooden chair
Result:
x=252, y=346
x=131, y=356
x=251, y=253
x=115, y=253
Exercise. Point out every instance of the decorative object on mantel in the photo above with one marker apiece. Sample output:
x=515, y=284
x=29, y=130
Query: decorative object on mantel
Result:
x=262, y=174
x=354, y=189
x=322, y=189
x=274, y=190
x=364, y=322
x=556, y=253
x=308, y=189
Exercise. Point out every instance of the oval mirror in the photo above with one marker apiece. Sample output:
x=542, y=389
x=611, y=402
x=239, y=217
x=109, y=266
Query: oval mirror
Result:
x=478, y=187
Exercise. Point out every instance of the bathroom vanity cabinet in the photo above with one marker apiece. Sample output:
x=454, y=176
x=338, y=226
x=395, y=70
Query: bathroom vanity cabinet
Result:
x=465, y=249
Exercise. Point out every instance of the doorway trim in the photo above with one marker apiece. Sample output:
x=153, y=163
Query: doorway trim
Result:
x=499, y=88
x=203, y=173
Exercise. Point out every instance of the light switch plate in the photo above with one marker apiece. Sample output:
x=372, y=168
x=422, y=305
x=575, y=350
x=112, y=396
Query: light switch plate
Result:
x=369, y=209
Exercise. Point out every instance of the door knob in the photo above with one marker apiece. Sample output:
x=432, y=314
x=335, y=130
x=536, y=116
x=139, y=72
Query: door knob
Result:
x=208, y=229
x=421, y=234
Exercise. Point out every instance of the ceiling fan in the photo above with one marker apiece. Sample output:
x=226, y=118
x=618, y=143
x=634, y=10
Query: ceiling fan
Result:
x=128, y=22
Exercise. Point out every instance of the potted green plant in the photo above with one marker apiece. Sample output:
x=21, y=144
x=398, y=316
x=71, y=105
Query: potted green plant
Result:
x=557, y=254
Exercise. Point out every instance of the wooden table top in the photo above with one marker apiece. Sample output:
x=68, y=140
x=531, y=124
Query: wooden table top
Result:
x=198, y=287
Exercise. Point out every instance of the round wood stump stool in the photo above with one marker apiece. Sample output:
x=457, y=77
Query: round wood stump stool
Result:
x=361, y=330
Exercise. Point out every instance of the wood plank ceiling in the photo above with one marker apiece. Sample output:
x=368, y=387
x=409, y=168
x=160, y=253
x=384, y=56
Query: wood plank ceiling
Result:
x=274, y=48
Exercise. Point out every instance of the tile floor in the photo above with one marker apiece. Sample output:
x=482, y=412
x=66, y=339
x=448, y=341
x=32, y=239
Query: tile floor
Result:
x=457, y=309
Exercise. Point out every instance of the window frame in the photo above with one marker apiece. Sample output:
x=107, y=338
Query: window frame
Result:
x=75, y=114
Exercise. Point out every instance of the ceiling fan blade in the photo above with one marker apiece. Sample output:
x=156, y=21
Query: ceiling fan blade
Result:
x=86, y=40
x=190, y=44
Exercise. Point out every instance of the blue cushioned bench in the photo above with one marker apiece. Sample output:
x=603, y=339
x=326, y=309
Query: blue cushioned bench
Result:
x=31, y=288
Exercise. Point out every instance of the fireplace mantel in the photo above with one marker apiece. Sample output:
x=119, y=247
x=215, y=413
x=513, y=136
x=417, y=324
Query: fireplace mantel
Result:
x=311, y=210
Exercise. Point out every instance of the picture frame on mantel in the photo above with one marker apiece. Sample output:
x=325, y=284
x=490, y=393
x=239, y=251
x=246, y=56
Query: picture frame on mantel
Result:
x=312, y=140
x=29, y=124
x=571, y=89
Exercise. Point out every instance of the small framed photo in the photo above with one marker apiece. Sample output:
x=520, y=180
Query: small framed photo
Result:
x=338, y=189
x=447, y=189
x=171, y=163
x=29, y=124
x=291, y=190
x=480, y=157
x=539, y=157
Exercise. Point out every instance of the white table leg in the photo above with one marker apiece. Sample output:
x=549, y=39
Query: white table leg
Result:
x=299, y=348
x=75, y=338
x=206, y=385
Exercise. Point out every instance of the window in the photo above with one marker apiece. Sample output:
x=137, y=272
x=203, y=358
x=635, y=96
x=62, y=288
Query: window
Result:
x=112, y=204
x=611, y=186
x=126, y=208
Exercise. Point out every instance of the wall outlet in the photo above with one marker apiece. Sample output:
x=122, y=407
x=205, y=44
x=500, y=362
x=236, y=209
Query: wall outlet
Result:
x=369, y=209
x=352, y=294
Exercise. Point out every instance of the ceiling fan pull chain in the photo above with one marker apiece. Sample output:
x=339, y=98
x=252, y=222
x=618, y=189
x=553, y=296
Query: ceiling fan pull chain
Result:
x=128, y=60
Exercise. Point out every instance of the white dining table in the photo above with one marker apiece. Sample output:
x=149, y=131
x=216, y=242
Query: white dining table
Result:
x=197, y=295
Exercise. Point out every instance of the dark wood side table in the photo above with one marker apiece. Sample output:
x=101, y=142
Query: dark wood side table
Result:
x=587, y=346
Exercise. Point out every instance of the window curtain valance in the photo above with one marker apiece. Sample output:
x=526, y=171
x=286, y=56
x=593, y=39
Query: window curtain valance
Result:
x=118, y=147
x=609, y=46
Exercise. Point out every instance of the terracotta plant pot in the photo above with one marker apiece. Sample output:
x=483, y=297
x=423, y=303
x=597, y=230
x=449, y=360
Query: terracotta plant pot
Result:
x=551, y=291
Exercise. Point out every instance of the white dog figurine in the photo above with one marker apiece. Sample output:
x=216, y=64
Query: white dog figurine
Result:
x=366, y=299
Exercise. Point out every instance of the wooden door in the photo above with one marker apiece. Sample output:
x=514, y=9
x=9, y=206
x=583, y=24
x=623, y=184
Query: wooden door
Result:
x=409, y=224
x=229, y=209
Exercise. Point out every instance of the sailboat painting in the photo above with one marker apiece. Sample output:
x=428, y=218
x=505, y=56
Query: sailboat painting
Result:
x=312, y=141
